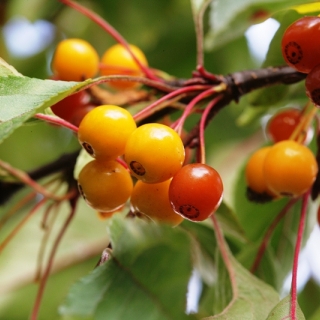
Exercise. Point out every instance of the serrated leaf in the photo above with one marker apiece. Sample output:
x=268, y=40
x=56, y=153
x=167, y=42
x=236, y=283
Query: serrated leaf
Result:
x=148, y=274
x=22, y=97
x=282, y=311
x=253, y=299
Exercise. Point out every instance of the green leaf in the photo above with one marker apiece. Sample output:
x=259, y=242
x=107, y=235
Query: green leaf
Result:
x=282, y=311
x=146, y=278
x=253, y=298
x=22, y=97
x=229, y=21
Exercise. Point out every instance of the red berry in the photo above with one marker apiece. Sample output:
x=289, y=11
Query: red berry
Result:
x=313, y=85
x=282, y=124
x=196, y=191
x=67, y=107
x=300, y=47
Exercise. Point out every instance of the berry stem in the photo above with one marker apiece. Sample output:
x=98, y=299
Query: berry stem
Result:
x=26, y=179
x=11, y=235
x=43, y=280
x=146, y=111
x=293, y=306
x=57, y=121
x=223, y=248
x=302, y=128
x=203, y=123
x=190, y=106
x=111, y=31
x=16, y=207
x=269, y=232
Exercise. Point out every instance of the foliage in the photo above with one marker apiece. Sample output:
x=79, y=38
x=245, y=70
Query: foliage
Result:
x=145, y=275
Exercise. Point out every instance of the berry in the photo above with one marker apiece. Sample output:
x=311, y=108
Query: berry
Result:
x=196, y=191
x=67, y=107
x=104, y=131
x=312, y=84
x=258, y=190
x=289, y=168
x=75, y=60
x=154, y=153
x=80, y=113
x=282, y=124
x=105, y=185
x=152, y=200
x=117, y=60
x=300, y=48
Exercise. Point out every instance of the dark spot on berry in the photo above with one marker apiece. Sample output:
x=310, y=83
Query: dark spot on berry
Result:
x=293, y=52
x=137, y=168
x=88, y=148
x=81, y=191
x=254, y=196
x=315, y=96
x=189, y=211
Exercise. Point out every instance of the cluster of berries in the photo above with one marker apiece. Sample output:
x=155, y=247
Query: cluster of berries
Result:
x=288, y=167
x=77, y=60
x=153, y=155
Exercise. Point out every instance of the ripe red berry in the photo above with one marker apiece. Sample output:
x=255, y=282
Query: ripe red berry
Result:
x=300, y=47
x=196, y=191
x=282, y=124
x=67, y=107
x=313, y=85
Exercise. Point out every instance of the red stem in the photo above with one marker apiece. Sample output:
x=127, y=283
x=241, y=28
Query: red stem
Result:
x=293, y=307
x=43, y=280
x=269, y=232
x=225, y=255
x=111, y=31
x=139, y=116
x=190, y=106
x=57, y=121
x=21, y=224
x=203, y=123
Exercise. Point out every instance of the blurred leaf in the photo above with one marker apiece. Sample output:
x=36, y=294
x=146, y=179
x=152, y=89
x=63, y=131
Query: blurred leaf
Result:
x=229, y=21
x=307, y=8
x=146, y=276
x=282, y=311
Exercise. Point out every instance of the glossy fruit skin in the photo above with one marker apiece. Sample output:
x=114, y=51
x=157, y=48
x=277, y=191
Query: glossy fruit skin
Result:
x=67, y=107
x=196, y=191
x=300, y=49
x=312, y=84
x=154, y=153
x=290, y=168
x=118, y=61
x=105, y=185
x=152, y=200
x=75, y=60
x=282, y=124
x=104, y=131
x=254, y=172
